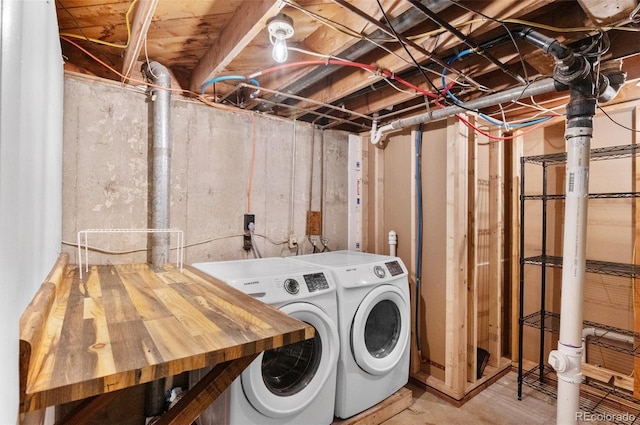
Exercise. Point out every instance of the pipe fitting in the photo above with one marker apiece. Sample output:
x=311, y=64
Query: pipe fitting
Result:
x=566, y=361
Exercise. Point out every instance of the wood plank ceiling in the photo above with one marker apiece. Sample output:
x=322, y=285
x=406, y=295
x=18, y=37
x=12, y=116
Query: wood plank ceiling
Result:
x=199, y=40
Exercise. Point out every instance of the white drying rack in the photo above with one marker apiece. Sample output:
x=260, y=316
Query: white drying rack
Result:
x=85, y=233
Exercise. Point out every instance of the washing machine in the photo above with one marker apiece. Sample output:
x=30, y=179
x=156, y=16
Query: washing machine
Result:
x=374, y=325
x=294, y=384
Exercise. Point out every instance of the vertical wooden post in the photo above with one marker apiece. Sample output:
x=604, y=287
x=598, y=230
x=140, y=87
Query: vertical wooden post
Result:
x=456, y=249
x=515, y=153
x=636, y=254
x=472, y=289
x=495, y=251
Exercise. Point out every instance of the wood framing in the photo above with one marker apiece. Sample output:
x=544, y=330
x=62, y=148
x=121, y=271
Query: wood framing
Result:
x=515, y=153
x=496, y=265
x=636, y=254
x=456, y=258
x=472, y=290
x=139, y=27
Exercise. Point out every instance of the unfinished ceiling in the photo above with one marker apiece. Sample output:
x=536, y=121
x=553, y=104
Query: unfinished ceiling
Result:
x=348, y=60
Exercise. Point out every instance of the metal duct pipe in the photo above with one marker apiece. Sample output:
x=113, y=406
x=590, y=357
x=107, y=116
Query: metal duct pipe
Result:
x=159, y=197
x=546, y=85
x=160, y=172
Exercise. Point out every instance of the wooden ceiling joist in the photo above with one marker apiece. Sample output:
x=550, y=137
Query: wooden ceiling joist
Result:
x=139, y=27
x=249, y=19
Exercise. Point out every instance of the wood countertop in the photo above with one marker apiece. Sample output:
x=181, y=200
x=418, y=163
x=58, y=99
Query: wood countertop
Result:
x=123, y=325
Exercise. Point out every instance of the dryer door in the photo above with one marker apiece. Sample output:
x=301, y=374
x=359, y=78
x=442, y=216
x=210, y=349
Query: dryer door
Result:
x=284, y=381
x=380, y=330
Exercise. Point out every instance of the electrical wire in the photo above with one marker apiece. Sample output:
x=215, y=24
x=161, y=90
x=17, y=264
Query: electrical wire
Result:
x=492, y=137
x=485, y=117
x=97, y=41
x=404, y=46
x=617, y=123
x=203, y=242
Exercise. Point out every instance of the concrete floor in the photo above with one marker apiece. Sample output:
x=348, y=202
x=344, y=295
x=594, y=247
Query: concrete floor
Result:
x=496, y=405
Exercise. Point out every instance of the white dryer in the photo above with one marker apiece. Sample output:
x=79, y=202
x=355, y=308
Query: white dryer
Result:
x=374, y=324
x=294, y=384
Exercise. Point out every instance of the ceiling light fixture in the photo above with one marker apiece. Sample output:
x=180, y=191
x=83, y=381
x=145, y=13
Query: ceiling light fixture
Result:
x=280, y=28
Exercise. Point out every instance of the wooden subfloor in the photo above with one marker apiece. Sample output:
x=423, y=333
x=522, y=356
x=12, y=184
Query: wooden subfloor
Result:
x=496, y=405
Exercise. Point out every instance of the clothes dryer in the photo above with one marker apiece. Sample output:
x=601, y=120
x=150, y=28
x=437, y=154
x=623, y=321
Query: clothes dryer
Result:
x=294, y=384
x=374, y=325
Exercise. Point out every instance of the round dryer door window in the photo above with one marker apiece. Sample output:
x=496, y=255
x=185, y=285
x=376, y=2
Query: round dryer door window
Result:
x=284, y=381
x=380, y=330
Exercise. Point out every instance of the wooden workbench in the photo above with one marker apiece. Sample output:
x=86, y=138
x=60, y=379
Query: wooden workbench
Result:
x=124, y=325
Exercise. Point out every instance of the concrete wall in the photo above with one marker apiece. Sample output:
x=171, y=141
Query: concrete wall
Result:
x=30, y=170
x=214, y=180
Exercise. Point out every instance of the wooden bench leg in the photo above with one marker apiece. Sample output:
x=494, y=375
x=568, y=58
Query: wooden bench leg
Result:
x=88, y=409
x=198, y=398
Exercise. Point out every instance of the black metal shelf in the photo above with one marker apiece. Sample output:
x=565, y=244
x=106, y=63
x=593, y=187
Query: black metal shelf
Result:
x=550, y=321
x=560, y=197
x=544, y=320
x=593, y=266
x=614, y=404
x=599, y=154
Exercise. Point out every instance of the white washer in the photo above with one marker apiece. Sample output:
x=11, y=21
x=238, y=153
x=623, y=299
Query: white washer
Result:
x=374, y=324
x=294, y=384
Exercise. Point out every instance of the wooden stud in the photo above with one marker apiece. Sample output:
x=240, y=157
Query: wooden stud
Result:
x=139, y=27
x=495, y=251
x=515, y=149
x=456, y=258
x=636, y=253
x=248, y=21
x=472, y=288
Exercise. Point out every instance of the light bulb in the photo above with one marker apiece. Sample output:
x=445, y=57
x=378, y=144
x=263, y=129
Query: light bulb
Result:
x=279, y=52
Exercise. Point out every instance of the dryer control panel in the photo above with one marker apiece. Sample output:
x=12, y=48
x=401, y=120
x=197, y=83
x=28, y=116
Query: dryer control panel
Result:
x=316, y=282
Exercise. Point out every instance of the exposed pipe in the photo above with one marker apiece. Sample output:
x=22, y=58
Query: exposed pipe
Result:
x=605, y=334
x=584, y=93
x=159, y=197
x=546, y=85
x=161, y=157
x=393, y=242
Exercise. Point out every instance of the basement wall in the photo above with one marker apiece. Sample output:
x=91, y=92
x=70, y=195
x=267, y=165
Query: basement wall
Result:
x=214, y=180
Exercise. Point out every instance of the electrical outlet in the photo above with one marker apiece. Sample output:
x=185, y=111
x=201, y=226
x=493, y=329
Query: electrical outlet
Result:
x=292, y=241
x=246, y=244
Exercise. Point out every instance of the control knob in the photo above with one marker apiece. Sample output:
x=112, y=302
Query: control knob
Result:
x=379, y=271
x=292, y=286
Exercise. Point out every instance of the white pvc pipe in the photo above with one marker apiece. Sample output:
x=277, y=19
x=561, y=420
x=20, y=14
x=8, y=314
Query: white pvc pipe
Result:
x=601, y=333
x=393, y=242
x=567, y=359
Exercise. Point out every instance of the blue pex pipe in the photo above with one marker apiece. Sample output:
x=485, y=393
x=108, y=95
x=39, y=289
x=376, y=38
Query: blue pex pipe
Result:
x=228, y=78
